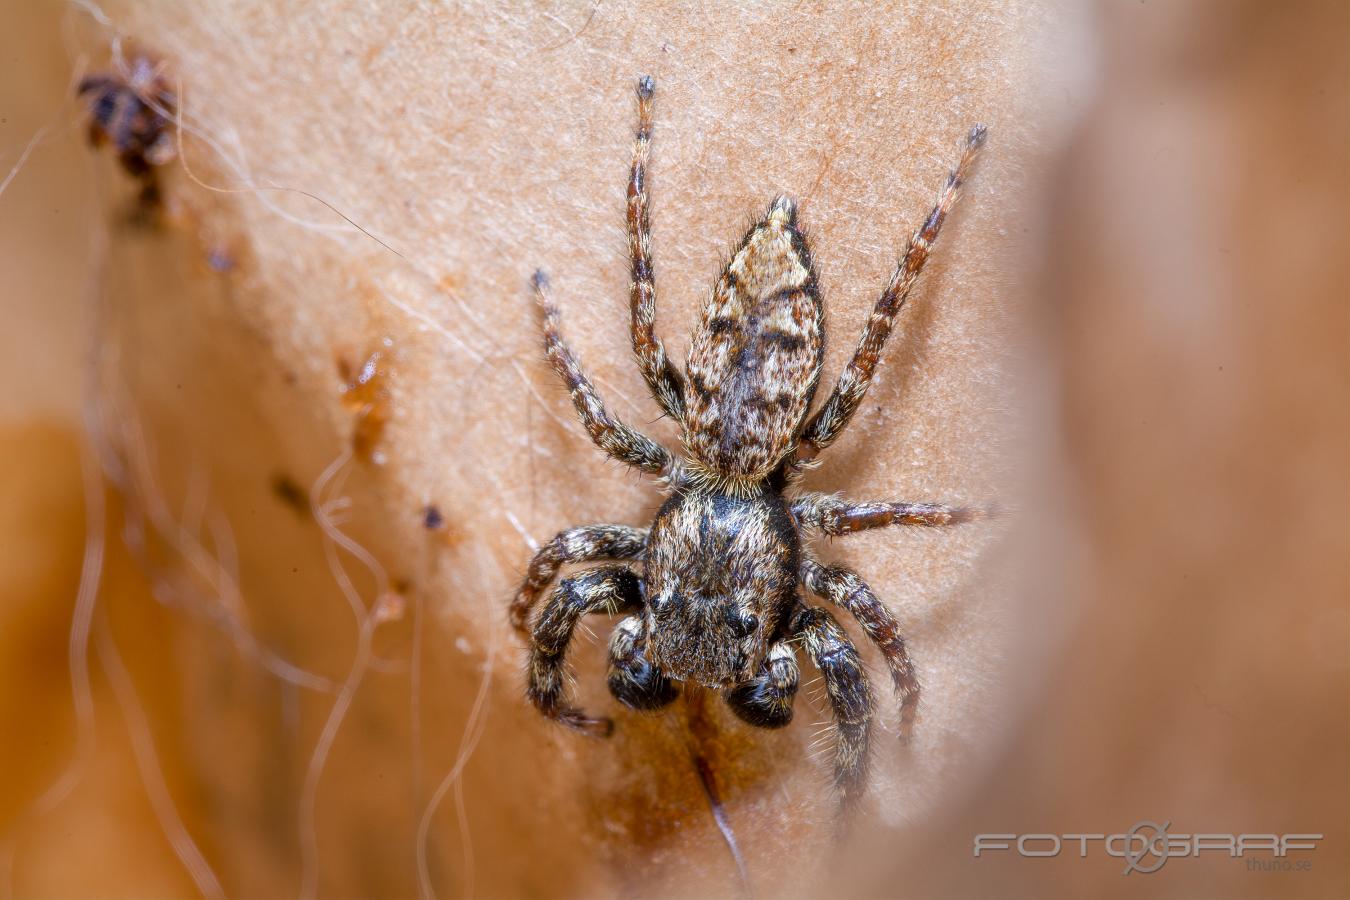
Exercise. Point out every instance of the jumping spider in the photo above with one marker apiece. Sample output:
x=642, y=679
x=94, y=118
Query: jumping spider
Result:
x=711, y=592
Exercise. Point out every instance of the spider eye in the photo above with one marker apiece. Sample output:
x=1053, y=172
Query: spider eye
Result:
x=744, y=625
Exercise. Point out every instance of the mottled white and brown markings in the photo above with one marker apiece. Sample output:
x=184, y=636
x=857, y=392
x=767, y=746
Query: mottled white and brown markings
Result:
x=756, y=358
x=711, y=593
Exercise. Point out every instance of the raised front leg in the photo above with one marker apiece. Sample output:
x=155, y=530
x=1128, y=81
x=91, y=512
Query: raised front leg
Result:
x=586, y=543
x=663, y=379
x=850, y=696
x=830, y=420
x=765, y=701
x=616, y=439
x=834, y=516
x=844, y=588
x=612, y=589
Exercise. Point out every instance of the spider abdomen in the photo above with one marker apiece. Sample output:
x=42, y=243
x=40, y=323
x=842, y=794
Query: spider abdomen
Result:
x=755, y=359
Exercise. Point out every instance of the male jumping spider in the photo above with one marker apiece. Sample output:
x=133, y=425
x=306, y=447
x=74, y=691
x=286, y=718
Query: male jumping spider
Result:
x=715, y=595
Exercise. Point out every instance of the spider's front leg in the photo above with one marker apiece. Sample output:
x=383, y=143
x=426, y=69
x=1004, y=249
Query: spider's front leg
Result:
x=609, y=589
x=765, y=701
x=850, y=696
x=586, y=543
x=844, y=588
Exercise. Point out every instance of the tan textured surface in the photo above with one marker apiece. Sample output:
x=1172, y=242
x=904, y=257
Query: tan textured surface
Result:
x=1200, y=687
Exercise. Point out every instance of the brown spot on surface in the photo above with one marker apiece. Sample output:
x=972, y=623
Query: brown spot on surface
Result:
x=285, y=489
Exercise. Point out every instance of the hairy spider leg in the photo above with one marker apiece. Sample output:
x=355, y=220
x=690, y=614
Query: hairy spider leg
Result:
x=835, y=516
x=616, y=439
x=582, y=544
x=850, y=697
x=833, y=416
x=663, y=379
x=608, y=589
x=846, y=589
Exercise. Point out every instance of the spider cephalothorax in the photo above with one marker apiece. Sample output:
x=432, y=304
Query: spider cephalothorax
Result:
x=711, y=593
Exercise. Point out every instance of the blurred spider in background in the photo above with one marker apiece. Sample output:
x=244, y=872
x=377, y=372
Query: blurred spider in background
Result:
x=131, y=108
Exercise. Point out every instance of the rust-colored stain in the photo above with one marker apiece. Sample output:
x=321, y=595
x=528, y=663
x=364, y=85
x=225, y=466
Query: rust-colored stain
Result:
x=365, y=394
